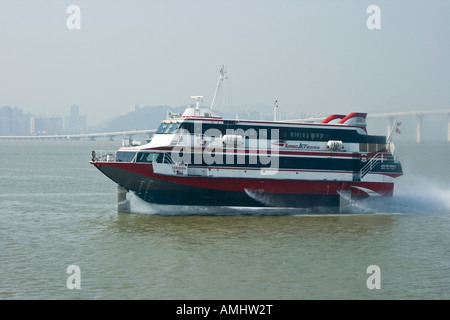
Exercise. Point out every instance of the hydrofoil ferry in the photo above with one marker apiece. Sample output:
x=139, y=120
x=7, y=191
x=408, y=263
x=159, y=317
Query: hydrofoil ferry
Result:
x=199, y=158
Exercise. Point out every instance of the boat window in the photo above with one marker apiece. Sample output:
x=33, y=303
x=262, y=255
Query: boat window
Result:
x=373, y=147
x=159, y=158
x=167, y=128
x=124, y=156
x=163, y=158
x=186, y=126
x=145, y=157
x=167, y=158
x=161, y=128
x=363, y=147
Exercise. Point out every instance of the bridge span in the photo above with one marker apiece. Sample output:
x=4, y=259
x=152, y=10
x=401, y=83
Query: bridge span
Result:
x=90, y=136
x=392, y=116
x=389, y=116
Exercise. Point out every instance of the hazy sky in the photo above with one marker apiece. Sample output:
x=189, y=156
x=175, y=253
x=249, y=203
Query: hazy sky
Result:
x=312, y=56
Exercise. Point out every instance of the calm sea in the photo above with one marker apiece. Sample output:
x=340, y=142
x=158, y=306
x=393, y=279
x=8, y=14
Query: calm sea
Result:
x=57, y=211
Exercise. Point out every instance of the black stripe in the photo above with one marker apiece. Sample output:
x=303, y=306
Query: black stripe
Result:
x=288, y=133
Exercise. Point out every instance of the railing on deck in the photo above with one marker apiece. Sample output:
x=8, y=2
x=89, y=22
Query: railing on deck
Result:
x=103, y=155
x=371, y=164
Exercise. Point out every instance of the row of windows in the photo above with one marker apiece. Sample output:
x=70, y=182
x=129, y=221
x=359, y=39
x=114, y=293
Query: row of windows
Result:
x=371, y=147
x=285, y=162
x=281, y=133
x=260, y=132
x=146, y=157
x=167, y=128
x=308, y=136
x=255, y=162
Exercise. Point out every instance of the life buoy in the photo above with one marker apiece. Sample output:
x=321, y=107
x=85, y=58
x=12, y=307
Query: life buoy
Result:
x=202, y=141
x=363, y=158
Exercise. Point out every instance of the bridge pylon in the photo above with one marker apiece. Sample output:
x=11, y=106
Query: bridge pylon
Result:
x=419, y=128
x=448, y=128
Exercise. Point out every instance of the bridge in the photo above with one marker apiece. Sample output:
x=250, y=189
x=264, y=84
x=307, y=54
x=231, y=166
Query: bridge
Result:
x=389, y=116
x=90, y=136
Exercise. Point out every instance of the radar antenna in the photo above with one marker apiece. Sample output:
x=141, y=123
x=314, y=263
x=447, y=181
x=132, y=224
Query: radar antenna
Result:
x=198, y=99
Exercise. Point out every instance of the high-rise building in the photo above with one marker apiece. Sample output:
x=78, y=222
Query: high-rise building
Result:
x=13, y=122
x=43, y=125
x=74, y=122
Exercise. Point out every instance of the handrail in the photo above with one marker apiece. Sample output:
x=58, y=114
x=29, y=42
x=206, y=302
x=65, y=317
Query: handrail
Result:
x=370, y=165
x=103, y=155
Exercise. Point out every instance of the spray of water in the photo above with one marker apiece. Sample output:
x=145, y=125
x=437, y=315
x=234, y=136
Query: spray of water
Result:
x=413, y=194
x=137, y=205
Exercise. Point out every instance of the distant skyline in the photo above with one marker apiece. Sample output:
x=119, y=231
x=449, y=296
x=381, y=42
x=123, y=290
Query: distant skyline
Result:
x=310, y=56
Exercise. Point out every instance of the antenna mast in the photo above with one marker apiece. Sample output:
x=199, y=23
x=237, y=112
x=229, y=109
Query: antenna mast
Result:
x=222, y=77
x=275, y=107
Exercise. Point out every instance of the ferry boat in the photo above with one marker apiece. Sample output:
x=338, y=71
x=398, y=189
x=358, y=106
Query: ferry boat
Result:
x=199, y=158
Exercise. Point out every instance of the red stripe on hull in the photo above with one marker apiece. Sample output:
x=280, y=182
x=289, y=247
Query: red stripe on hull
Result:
x=305, y=187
